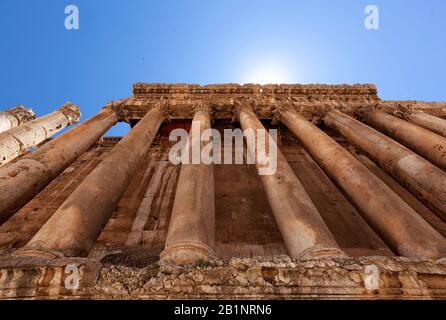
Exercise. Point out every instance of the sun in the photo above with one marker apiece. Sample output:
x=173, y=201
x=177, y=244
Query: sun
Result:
x=267, y=74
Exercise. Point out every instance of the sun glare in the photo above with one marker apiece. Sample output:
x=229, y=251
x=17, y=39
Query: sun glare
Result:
x=266, y=74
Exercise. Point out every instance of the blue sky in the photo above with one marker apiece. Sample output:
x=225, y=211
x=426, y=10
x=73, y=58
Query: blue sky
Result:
x=121, y=42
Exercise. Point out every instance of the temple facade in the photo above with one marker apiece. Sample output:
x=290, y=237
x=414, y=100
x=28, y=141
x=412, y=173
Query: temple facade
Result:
x=355, y=208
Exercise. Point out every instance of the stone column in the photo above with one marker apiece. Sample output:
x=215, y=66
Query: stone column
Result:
x=16, y=141
x=424, y=120
x=191, y=235
x=14, y=117
x=424, y=142
x=75, y=226
x=22, y=180
x=303, y=229
x=418, y=175
x=394, y=220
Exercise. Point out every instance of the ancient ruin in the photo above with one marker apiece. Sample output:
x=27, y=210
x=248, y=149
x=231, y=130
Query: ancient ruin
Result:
x=356, y=208
x=14, y=117
x=17, y=140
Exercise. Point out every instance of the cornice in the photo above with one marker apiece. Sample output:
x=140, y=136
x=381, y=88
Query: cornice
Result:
x=254, y=89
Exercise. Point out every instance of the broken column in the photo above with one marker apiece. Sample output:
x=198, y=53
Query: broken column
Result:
x=303, y=229
x=425, y=120
x=16, y=141
x=407, y=233
x=22, y=180
x=424, y=142
x=75, y=226
x=191, y=235
x=418, y=175
x=14, y=117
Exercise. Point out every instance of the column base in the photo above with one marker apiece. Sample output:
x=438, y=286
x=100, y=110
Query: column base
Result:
x=34, y=253
x=187, y=253
x=318, y=252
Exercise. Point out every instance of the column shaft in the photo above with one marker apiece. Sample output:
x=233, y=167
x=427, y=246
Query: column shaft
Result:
x=16, y=141
x=21, y=181
x=75, y=226
x=303, y=229
x=191, y=234
x=426, y=213
x=418, y=175
x=424, y=142
x=14, y=117
x=393, y=219
x=427, y=121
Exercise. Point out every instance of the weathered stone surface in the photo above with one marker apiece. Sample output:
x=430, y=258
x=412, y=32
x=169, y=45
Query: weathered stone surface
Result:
x=256, y=278
x=191, y=235
x=304, y=232
x=16, y=141
x=126, y=240
x=14, y=117
x=22, y=180
x=424, y=120
x=71, y=231
x=418, y=175
x=398, y=224
x=424, y=142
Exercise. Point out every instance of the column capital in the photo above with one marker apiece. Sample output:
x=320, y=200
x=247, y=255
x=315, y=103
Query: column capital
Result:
x=118, y=107
x=403, y=112
x=365, y=113
x=71, y=111
x=163, y=106
x=280, y=108
x=243, y=105
x=203, y=106
x=22, y=113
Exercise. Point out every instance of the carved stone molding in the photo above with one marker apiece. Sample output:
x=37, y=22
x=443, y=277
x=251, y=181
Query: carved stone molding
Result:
x=254, y=89
x=22, y=113
x=246, y=105
x=71, y=111
x=364, y=113
x=120, y=108
x=403, y=111
x=272, y=278
x=202, y=106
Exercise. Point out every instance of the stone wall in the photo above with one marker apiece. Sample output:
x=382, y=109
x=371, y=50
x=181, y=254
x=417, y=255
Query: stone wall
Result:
x=262, y=278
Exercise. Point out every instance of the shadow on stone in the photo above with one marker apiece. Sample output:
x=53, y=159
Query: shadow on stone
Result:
x=136, y=258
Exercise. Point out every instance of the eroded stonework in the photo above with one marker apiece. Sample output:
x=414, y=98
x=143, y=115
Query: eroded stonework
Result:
x=237, y=278
x=375, y=213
